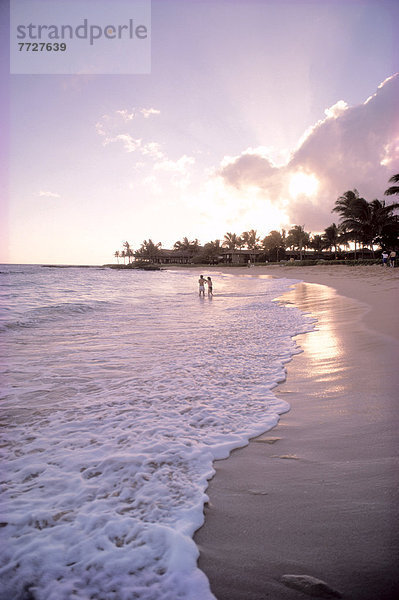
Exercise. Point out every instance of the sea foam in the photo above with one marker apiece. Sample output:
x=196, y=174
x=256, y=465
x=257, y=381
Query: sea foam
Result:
x=121, y=389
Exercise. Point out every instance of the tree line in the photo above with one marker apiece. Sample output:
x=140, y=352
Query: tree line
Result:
x=362, y=223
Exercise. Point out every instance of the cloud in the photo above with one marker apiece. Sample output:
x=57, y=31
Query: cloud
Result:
x=248, y=169
x=175, y=166
x=148, y=112
x=125, y=114
x=153, y=150
x=336, y=110
x=113, y=129
x=129, y=143
x=47, y=194
x=136, y=112
x=177, y=172
x=116, y=128
x=351, y=147
x=112, y=126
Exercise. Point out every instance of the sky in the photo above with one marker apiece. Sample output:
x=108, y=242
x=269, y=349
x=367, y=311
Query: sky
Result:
x=257, y=114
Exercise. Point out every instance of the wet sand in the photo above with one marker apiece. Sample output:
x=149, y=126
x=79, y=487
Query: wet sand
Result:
x=317, y=495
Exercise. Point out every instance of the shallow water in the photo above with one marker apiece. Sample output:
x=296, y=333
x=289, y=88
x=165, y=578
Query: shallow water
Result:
x=120, y=389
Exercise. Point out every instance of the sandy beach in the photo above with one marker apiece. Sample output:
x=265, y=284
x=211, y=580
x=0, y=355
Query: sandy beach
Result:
x=317, y=495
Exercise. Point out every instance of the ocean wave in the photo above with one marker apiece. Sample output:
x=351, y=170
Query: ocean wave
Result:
x=37, y=317
x=119, y=423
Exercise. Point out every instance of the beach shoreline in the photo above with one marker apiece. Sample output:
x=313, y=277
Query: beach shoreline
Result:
x=316, y=495
x=361, y=283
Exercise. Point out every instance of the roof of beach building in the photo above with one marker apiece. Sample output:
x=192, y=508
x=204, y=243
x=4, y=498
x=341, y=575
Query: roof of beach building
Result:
x=173, y=252
x=241, y=251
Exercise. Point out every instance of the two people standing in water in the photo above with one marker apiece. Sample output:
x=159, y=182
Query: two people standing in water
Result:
x=391, y=257
x=201, y=282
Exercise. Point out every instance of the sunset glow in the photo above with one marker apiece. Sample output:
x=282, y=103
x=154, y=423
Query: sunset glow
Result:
x=303, y=184
x=213, y=140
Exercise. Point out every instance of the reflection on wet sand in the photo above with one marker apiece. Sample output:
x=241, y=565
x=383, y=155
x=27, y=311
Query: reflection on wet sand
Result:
x=326, y=358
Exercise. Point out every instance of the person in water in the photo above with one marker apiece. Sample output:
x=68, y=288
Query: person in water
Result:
x=210, y=287
x=201, y=283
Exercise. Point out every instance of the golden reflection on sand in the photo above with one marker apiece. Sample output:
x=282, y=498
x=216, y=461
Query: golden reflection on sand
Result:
x=323, y=347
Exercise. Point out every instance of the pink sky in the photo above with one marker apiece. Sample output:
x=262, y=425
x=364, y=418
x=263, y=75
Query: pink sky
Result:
x=256, y=114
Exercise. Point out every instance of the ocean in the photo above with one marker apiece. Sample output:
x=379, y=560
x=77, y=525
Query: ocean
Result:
x=119, y=390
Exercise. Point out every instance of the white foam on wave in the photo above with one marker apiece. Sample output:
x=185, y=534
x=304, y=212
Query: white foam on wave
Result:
x=114, y=417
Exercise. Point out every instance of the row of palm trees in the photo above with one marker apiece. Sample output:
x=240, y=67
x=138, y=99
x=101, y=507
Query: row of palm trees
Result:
x=147, y=251
x=365, y=224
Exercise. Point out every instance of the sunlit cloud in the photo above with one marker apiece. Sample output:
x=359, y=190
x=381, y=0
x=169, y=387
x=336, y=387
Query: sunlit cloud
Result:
x=107, y=128
x=225, y=208
x=129, y=143
x=351, y=147
x=48, y=194
x=175, y=166
x=149, y=112
x=125, y=114
x=178, y=172
x=336, y=109
x=114, y=129
x=265, y=188
x=333, y=112
x=390, y=156
x=110, y=125
x=303, y=184
x=249, y=169
x=153, y=150
x=388, y=79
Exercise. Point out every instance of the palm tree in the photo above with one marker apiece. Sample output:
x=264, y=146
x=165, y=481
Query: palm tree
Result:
x=194, y=247
x=298, y=239
x=211, y=251
x=231, y=241
x=350, y=207
x=250, y=239
x=331, y=237
x=384, y=224
x=123, y=255
x=275, y=242
x=240, y=243
x=364, y=221
x=394, y=189
x=185, y=245
x=149, y=251
x=128, y=252
x=117, y=255
x=316, y=243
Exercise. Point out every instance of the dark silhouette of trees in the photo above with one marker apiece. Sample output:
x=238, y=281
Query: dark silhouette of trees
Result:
x=361, y=222
x=349, y=206
x=316, y=243
x=250, y=239
x=149, y=251
x=394, y=189
x=231, y=241
x=275, y=244
x=367, y=223
x=211, y=252
x=298, y=239
x=331, y=238
x=191, y=248
x=128, y=252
